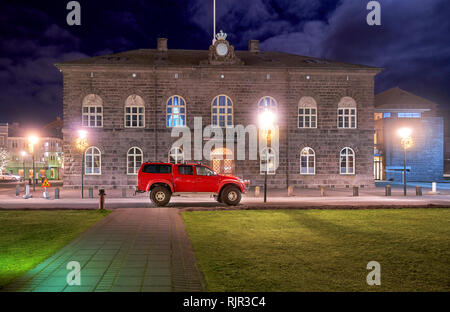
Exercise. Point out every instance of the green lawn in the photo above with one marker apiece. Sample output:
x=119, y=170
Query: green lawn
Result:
x=322, y=250
x=29, y=237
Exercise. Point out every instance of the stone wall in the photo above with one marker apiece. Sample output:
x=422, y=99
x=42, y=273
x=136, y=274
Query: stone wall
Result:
x=198, y=86
x=425, y=157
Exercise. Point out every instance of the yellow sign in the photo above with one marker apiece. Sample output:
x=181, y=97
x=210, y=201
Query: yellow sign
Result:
x=45, y=183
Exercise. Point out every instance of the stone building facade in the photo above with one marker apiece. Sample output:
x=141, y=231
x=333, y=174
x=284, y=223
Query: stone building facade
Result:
x=395, y=109
x=129, y=103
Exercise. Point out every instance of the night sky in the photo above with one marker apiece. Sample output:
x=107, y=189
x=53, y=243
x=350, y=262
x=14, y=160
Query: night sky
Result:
x=412, y=44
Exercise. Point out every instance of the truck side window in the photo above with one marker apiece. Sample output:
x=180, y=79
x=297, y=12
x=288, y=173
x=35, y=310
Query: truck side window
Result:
x=204, y=171
x=156, y=169
x=185, y=170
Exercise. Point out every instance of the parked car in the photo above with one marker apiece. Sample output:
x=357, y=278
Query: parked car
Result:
x=164, y=180
x=8, y=177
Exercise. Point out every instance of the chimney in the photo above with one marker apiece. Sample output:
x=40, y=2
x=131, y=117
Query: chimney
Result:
x=253, y=46
x=162, y=44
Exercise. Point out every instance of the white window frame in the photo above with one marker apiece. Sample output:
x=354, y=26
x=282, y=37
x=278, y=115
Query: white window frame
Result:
x=95, y=103
x=219, y=114
x=269, y=154
x=267, y=103
x=345, y=153
x=309, y=153
x=134, y=152
x=175, y=116
x=174, y=153
x=349, y=104
x=134, y=102
x=305, y=103
x=92, y=152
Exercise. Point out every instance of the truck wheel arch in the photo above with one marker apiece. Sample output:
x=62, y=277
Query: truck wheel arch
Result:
x=160, y=183
x=226, y=185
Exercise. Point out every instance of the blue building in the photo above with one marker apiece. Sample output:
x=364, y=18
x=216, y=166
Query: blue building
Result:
x=395, y=109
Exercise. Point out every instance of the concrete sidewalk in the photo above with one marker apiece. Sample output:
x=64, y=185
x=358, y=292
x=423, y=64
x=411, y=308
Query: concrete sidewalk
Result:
x=129, y=250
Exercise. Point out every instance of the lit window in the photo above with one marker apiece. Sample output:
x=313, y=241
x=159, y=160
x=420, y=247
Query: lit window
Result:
x=267, y=103
x=222, y=111
x=386, y=115
x=307, y=161
x=176, y=111
x=267, y=161
x=176, y=155
x=134, y=112
x=93, y=161
x=134, y=160
x=409, y=115
x=347, y=161
x=92, y=114
x=307, y=113
x=347, y=113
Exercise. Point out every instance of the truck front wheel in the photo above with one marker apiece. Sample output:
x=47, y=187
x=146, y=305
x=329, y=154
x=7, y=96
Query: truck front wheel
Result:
x=160, y=196
x=231, y=195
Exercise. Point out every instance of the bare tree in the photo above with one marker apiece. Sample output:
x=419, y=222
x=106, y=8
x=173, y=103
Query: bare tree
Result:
x=4, y=158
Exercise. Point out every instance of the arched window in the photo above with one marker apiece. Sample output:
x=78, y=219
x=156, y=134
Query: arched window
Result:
x=347, y=113
x=267, y=161
x=134, y=112
x=176, y=111
x=93, y=161
x=347, y=161
x=222, y=111
x=307, y=161
x=307, y=112
x=176, y=155
x=92, y=111
x=134, y=160
x=267, y=103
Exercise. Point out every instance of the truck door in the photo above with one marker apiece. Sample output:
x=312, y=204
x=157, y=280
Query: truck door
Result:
x=184, y=178
x=206, y=180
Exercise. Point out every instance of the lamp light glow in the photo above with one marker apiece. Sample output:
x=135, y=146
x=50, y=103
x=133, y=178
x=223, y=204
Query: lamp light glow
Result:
x=267, y=119
x=32, y=139
x=405, y=132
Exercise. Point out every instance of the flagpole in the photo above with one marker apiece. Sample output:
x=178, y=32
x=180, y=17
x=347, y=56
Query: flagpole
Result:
x=214, y=21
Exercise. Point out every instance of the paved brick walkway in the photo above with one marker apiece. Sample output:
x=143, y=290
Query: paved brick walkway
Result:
x=132, y=249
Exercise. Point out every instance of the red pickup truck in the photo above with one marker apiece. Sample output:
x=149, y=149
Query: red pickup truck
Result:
x=163, y=180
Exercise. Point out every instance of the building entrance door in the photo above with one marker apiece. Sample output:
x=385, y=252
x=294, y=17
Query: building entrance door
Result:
x=222, y=161
x=378, y=169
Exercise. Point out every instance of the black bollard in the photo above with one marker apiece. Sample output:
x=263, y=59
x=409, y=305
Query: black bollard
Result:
x=418, y=190
x=388, y=190
x=17, y=190
x=355, y=190
x=56, y=193
x=91, y=193
x=102, y=195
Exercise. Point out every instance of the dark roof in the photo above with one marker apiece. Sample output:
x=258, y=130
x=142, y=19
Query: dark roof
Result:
x=153, y=57
x=397, y=98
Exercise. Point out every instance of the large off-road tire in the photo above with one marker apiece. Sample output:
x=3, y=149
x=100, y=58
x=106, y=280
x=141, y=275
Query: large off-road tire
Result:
x=231, y=195
x=160, y=196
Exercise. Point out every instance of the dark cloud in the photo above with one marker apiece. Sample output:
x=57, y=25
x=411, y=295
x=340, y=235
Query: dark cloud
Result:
x=411, y=44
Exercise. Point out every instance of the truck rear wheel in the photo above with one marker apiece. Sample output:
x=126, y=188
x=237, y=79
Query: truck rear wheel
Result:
x=231, y=195
x=160, y=196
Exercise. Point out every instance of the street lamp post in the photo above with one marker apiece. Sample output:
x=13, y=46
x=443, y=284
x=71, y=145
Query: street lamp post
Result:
x=406, y=142
x=82, y=144
x=32, y=140
x=23, y=153
x=266, y=122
